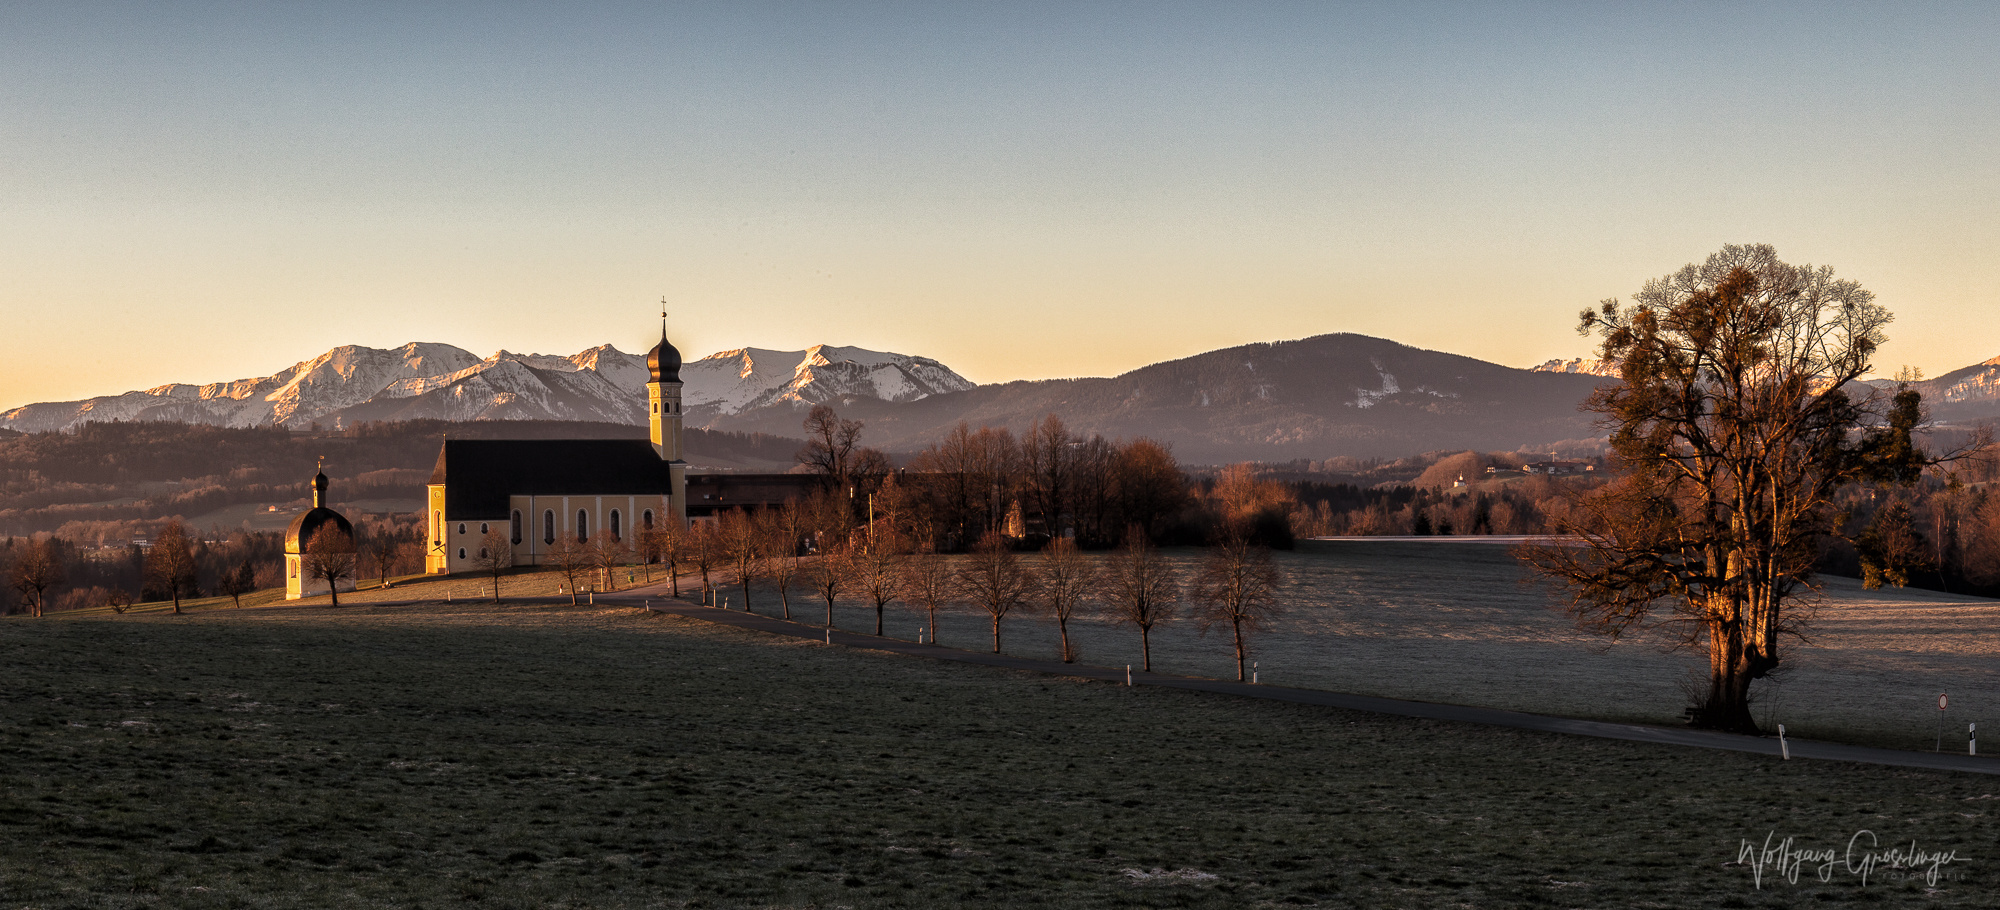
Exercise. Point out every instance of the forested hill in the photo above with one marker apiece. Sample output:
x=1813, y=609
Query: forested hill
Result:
x=114, y=471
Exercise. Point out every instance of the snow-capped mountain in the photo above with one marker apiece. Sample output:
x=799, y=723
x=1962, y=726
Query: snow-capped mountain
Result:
x=351, y=383
x=1579, y=365
x=748, y=379
x=1969, y=393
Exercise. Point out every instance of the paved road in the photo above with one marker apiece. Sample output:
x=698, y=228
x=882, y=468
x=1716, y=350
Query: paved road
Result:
x=658, y=601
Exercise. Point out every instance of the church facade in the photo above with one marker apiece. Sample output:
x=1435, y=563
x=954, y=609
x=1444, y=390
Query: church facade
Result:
x=537, y=492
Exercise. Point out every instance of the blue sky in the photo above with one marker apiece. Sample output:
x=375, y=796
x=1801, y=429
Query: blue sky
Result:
x=198, y=192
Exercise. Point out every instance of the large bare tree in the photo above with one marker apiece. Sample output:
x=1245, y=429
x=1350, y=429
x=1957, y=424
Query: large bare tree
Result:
x=995, y=580
x=170, y=564
x=785, y=530
x=1066, y=577
x=1142, y=588
x=496, y=556
x=1237, y=586
x=830, y=446
x=829, y=573
x=328, y=556
x=1736, y=420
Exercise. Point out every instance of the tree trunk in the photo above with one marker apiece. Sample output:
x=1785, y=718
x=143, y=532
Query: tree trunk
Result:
x=1146, y=649
x=674, y=573
x=785, y=599
x=177, y=599
x=1062, y=625
x=829, y=612
x=746, y=596
x=332, y=589
x=933, y=625
x=878, y=619
x=996, y=634
x=1237, y=627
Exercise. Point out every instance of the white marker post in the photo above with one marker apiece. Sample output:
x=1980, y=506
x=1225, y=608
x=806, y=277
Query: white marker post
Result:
x=1128, y=674
x=1783, y=749
x=1942, y=701
x=1253, y=672
x=1972, y=739
x=829, y=636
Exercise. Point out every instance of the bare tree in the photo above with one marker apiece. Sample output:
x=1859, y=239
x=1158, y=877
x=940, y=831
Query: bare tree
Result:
x=382, y=548
x=1142, y=588
x=569, y=557
x=994, y=578
x=170, y=564
x=328, y=555
x=237, y=582
x=785, y=530
x=608, y=553
x=1237, y=586
x=877, y=570
x=1066, y=579
x=667, y=542
x=496, y=556
x=704, y=551
x=1048, y=459
x=743, y=546
x=829, y=572
x=929, y=582
x=830, y=445
x=39, y=567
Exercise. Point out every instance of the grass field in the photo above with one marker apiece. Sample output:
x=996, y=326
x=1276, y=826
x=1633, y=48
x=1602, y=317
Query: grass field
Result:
x=530, y=755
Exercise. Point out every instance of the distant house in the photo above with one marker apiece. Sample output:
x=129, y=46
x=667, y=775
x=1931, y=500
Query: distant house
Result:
x=1558, y=467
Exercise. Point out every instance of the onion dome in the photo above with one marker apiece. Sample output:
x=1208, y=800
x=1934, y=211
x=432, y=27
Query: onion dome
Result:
x=319, y=516
x=664, y=362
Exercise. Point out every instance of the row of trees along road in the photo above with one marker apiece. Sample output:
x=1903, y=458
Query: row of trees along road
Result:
x=1737, y=423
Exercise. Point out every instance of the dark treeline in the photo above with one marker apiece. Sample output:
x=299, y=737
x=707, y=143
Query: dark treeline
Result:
x=151, y=471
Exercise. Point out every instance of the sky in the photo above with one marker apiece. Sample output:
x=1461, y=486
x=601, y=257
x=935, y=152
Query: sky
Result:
x=200, y=192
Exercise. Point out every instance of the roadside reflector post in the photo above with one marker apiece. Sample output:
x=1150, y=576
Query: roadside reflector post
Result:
x=1783, y=749
x=1253, y=672
x=1972, y=739
x=1128, y=674
x=829, y=636
x=1942, y=701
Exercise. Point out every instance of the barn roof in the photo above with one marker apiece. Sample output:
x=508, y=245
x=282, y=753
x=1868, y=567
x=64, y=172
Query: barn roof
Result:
x=479, y=474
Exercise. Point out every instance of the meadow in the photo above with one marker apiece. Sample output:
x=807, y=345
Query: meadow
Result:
x=542, y=755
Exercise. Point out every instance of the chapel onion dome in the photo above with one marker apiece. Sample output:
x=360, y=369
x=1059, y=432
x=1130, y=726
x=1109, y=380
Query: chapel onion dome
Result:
x=664, y=362
x=319, y=516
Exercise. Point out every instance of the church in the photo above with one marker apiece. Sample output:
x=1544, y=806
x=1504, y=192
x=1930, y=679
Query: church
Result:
x=541, y=490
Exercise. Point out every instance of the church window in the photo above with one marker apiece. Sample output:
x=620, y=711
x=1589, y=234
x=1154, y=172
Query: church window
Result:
x=514, y=526
x=437, y=529
x=461, y=527
x=549, y=526
x=482, y=552
x=616, y=529
x=461, y=552
x=582, y=525
x=646, y=520
x=483, y=529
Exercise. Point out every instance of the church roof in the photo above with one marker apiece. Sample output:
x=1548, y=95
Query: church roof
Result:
x=479, y=474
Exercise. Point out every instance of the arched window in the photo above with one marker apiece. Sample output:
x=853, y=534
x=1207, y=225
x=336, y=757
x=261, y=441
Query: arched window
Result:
x=484, y=528
x=514, y=526
x=482, y=552
x=549, y=526
x=646, y=520
x=582, y=525
x=461, y=552
x=461, y=527
x=616, y=529
x=437, y=529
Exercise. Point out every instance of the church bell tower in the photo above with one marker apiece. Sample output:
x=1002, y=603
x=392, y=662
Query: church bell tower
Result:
x=663, y=395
